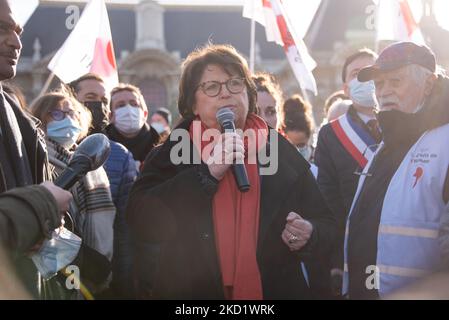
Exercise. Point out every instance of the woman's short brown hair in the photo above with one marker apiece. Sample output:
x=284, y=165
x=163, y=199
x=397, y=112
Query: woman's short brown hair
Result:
x=43, y=104
x=266, y=82
x=131, y=88
x=193, y=67
x=296, y=115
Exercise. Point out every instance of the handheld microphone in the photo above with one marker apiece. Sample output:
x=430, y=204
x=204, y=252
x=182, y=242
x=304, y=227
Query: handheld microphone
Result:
x=225, y=118
x=88, y=156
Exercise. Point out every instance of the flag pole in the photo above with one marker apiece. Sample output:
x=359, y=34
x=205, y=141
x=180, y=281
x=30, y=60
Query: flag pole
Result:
x=47, y=84
x=376, y=25
x=304, y=94
x=252, y=53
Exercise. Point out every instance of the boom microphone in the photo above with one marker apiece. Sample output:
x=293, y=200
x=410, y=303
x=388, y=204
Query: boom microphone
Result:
x=88, y=156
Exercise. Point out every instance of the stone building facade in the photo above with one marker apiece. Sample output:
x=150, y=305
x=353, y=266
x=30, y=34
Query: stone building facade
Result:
x=151, y=40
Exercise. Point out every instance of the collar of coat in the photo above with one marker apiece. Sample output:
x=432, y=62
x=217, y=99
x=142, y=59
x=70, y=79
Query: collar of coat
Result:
x=274, y=188
x=33, y=139
x=289, y=156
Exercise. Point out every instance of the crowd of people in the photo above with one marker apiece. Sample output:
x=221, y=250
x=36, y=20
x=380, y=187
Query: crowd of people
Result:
x=360, y=213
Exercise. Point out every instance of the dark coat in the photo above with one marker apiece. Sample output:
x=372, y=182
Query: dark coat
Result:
x=400, y=132
x=336, y=179
x=172, y=205
x=141, y=145
x=28, y=214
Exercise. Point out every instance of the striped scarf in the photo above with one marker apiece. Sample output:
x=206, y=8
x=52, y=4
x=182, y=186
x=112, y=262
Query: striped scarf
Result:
x=93, y=210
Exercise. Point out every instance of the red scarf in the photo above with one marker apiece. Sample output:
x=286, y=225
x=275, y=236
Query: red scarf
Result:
x=236, y=221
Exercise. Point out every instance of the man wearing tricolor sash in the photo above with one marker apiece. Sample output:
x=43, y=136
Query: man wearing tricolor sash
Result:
x=396, y=231
x=344, y=147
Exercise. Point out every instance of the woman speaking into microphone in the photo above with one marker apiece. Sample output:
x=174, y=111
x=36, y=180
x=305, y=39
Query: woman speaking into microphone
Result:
x=218, y=241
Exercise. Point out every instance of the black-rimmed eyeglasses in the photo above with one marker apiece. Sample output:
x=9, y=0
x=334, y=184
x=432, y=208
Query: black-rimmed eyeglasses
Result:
x=213, y=88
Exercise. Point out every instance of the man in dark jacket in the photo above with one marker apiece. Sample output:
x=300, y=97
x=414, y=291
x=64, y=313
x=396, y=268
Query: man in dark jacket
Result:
x=121, y=169
x=335, y=155
x=402, y=197
x=29, y=212
x=128, y=126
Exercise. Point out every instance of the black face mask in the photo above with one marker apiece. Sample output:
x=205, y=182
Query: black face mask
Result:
x=100, y=116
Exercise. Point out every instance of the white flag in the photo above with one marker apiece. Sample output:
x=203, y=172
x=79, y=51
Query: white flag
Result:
x=279, y=29
x=395, y=22
x=88, y=48
x=23, y=9
x=260, y=11
x=301, y=14
x=440, y=10
x=297, y=54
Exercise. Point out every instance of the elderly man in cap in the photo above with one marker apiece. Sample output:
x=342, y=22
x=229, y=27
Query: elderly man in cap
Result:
x=401, y=203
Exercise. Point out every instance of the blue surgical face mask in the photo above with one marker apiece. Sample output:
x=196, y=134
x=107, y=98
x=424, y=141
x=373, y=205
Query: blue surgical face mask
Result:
x=159, y=127
x=65, y=132
x=362, y=93
x=56, y=253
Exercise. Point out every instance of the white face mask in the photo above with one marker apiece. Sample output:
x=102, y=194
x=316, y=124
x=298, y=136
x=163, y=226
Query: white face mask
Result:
x=129, y=119
x=362, y=93
x=159, y=127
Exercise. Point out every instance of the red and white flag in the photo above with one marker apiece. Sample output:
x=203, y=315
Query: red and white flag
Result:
x=395, y=21
x=88, y=48
x=271, y=14
x=260, y=11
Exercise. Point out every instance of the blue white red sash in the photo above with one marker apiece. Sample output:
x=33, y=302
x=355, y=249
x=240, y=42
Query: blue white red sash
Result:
x=355, y=139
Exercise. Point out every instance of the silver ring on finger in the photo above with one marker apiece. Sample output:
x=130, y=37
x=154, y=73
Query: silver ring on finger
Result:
x=292, y=238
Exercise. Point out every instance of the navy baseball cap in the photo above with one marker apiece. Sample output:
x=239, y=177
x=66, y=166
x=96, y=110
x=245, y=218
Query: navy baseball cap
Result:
x=398, y=55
